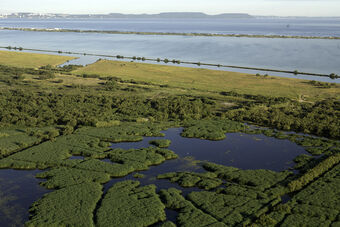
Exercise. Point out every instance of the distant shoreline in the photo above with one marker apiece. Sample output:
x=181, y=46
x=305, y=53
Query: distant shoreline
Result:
x=164, y=15
x=168, y=33
x=161, y=15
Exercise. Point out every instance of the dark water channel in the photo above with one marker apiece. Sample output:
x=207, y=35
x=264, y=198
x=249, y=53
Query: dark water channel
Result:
x=19, y=189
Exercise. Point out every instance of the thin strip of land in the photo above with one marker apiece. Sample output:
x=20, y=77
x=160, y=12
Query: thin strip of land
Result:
x=169, y=33
x=173, y=79
x=176, y=61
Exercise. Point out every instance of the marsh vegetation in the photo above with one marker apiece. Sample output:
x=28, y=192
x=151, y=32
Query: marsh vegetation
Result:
x=43, y=124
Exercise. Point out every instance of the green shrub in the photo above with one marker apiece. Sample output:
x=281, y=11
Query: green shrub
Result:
x=55, y=208
x=138, y=175
x=3, y=135
x=313, y=173
x=186, y=179
x=188, y=215
x=160, y=143
x=59, y=81
x=127, y=204
x=211, y=129
x=47, y=75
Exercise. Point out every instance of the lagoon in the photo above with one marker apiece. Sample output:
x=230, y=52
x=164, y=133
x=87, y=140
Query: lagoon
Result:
x=315, y=56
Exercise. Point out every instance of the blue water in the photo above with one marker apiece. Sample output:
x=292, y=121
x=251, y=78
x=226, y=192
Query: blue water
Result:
x=256, y=26
x=19, y=189
x=240, y=150
x=307, y=55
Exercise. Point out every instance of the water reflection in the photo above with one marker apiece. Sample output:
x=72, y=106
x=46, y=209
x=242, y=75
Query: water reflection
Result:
x=18, y=190
x=238, y=150
x=256, y=26
x=315, y=56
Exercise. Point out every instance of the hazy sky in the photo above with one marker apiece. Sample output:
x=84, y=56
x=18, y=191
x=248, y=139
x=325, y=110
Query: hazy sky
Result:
x=254, y=7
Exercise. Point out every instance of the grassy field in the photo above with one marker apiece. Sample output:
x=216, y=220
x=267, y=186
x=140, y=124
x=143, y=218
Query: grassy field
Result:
x=180, y=79
x=282, y=103
x=211, y=80
x=31, y=60
x=67, y=80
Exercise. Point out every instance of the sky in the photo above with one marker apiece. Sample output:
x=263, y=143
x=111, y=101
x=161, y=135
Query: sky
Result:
x=253, y=7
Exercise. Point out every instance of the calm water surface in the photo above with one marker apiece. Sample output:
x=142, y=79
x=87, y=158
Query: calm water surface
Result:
x=255, y=26
x=315, y=56
x=18, y=190
x=239, y=150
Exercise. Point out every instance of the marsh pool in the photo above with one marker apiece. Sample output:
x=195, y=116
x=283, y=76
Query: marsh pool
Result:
x=19, y=189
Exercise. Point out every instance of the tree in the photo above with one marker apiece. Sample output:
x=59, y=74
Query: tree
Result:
x=333, y=76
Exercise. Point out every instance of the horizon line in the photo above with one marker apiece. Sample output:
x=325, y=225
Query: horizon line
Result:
x=150, y=14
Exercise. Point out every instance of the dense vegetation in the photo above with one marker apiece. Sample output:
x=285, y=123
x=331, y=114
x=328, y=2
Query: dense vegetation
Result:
x=126, y=204
x=161, y=143
x=20, y=108
x=66, y=129
x=254, y=196
x=70, y=206
x=15, y=139
x=317, y=204
x=188, y=215
x=315, y=172
x=56, y=153
x=99, y=105
x=260, y=179
x=320, y=118
x=205, y=181
x=83, y=179
x=211, y=130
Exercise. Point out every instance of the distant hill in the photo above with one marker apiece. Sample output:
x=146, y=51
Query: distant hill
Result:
x=181, y=15
x=167, y=15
